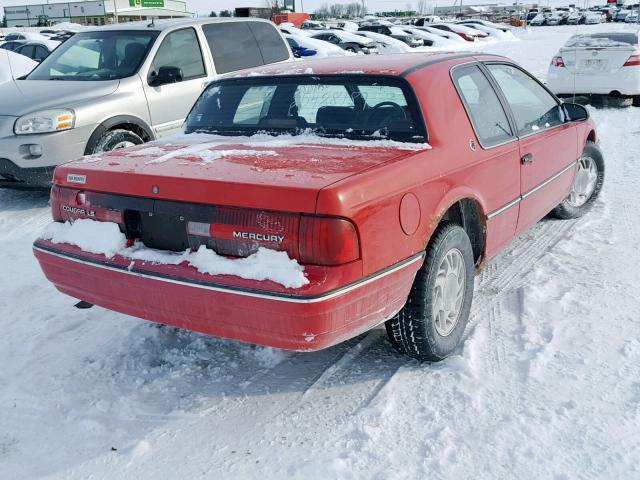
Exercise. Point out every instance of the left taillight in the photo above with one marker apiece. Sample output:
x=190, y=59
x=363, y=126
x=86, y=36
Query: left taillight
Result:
x=69, y=204
x=633, y=61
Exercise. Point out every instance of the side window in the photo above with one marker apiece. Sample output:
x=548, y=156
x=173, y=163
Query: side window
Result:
x=27, y=51
x=41, y=53
x=270, y=42
x=532, y=106
x=233, y=46
x=180, y=49
x=487, y=115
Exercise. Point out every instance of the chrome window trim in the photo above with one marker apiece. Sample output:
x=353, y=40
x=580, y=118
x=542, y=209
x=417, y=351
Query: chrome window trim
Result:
x=466, y=109
x=234, y=291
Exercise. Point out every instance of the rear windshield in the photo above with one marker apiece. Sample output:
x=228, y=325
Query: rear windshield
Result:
x=349, y=106
x=603, y=40
x=94, y=56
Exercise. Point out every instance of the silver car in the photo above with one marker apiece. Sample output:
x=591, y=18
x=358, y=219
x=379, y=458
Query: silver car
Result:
x=121, y=85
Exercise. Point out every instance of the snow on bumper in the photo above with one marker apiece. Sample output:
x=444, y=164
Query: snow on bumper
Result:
x=322, y=313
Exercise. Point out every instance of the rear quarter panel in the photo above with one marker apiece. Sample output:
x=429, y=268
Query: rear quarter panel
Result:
x=439, y=177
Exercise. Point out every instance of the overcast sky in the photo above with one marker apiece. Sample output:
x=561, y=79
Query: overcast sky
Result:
x=205, y=6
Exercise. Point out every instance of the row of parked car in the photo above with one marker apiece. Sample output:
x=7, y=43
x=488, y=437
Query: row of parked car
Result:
x=383, y=36
x=574, y=16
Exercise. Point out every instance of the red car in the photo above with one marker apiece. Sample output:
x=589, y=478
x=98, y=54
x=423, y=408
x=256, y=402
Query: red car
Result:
x=303, y=207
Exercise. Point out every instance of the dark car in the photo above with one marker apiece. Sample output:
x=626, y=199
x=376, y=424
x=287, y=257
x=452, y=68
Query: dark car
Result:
x=394, y=32
x=37, y=51
x=348, y=41
x=298, y=50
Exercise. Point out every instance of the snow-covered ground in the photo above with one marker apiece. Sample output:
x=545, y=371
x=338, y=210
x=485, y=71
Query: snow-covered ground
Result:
x=547, y=385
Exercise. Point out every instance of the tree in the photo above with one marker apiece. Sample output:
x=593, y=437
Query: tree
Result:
x=226, y=13
x=4, y=22
x=213, y=14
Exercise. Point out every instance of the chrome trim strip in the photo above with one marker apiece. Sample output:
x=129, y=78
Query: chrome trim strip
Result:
x=549, y=180
x=503, y=209
x=268, y=296
x=514, y=202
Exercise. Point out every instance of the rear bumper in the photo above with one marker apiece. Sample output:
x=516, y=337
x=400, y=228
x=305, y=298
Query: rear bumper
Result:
x=626, y=81
x=215, y=307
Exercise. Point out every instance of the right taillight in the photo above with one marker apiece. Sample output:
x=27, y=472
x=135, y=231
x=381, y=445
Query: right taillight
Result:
x=327, y=241
x=557, y=62
x=633, y=61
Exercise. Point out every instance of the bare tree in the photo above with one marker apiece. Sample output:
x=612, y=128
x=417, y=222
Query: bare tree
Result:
x=422, y=7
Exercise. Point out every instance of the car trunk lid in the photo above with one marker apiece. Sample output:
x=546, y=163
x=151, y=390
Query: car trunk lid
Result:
x=596, y=60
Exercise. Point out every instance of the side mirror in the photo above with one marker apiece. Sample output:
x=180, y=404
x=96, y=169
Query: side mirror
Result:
x=165, y=75
x=575, y=112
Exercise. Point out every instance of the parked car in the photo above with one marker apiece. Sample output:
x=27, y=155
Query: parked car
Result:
x=387, y=45
x=429, y=19
x=24, y=36
x=348, y=41
x=598, y=64
x=558, y=18
x=341, y=217
x=539, y=20
x=302, y=46
x=468, y=33
x=14, y=65
x=448, y=35
x=121, y=85
x=37, y=50
x=632, y=17
x=621, y=15
x=474, y=21
x=398, y=33
x=576, y=18
x=429, y=39
x=593, y=18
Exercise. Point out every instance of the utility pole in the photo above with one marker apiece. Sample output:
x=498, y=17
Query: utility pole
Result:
x=364, y=10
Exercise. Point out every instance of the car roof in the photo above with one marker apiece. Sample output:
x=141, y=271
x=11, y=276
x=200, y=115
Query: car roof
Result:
x=393, y=65
x=170, y=24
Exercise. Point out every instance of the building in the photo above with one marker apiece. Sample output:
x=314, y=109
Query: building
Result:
x=95, y=12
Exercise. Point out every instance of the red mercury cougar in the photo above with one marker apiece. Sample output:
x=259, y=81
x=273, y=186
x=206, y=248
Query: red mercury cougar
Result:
x=303, y=207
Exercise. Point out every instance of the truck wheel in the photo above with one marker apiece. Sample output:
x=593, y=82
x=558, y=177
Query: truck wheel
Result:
x=586, y=186
x=114, y=139
x=431, y=324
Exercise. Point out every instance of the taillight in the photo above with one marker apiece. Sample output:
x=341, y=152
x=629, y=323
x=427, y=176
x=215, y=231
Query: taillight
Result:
x=327, y=241
x=68, y=204
x=634, y=61
x=557, y=62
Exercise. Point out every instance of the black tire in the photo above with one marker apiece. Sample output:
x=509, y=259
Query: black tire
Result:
x=413, y=330
x=636, y=101
x=112, y=139
x=566, y=210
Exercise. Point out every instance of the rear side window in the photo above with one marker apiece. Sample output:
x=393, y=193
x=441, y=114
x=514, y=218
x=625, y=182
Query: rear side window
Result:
x=27, y=51
x=488, y=118
x=40, y=53
x=533, y=107
x=239, y=45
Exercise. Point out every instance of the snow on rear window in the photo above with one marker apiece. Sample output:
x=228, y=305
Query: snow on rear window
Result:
x=603, y=40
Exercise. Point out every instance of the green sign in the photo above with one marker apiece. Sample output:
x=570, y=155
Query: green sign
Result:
x=147, y=3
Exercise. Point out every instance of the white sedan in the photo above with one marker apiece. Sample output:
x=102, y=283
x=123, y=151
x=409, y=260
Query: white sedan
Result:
x=597, y=64
x=14, y=65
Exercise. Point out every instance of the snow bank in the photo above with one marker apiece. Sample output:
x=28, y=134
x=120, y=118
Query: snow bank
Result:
x=105, y=238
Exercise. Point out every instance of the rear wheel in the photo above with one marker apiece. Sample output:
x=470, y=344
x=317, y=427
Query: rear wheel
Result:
x=115, y=139
x=431, y=324
x=587, y=185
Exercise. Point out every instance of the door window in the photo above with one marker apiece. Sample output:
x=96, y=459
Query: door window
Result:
x=533, y=107
x=180, y=49
x=485, y=110
x=27, y=51
x=40, y=53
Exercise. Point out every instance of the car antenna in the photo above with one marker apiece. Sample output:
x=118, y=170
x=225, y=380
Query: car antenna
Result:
x=152, y=24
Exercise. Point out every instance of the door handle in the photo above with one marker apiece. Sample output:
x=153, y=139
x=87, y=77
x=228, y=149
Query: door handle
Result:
x=527, y=159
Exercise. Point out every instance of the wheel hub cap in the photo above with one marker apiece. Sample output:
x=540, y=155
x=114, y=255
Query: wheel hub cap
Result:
x=585, y=182
x=123, y=145
x=448, y=292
